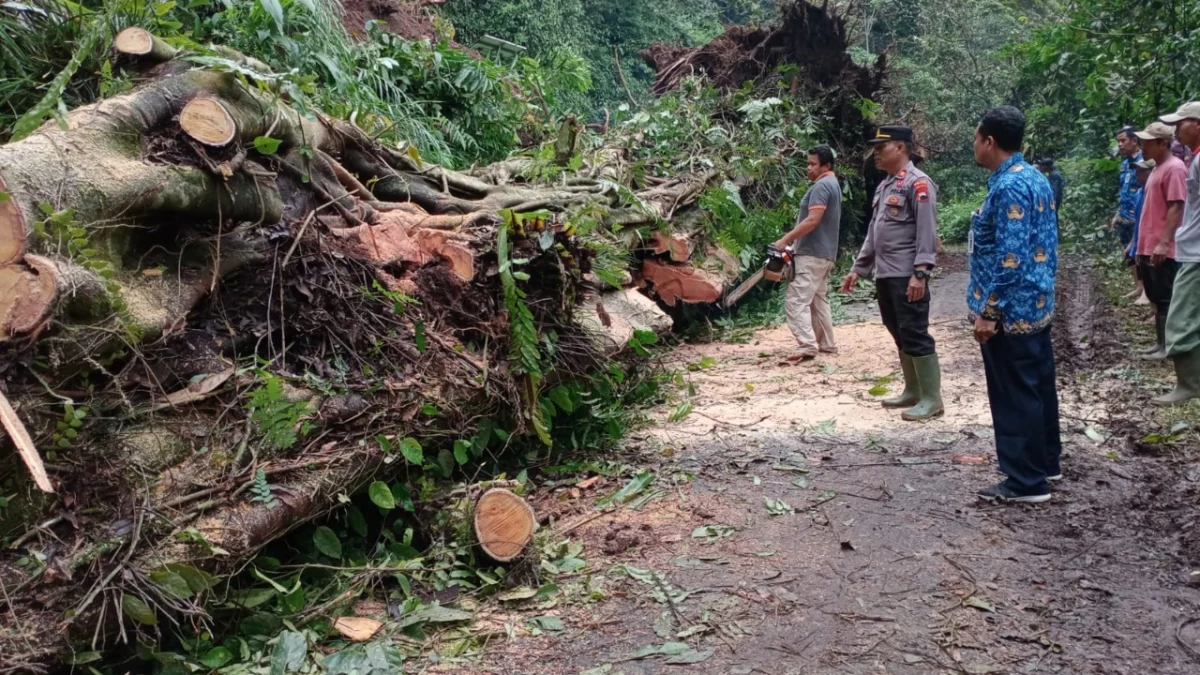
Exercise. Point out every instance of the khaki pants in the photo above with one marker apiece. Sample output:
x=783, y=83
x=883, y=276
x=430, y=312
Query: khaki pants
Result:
x=807, y=306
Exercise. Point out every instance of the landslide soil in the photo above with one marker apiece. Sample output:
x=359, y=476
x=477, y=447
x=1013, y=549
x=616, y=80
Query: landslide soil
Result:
x=888, y=564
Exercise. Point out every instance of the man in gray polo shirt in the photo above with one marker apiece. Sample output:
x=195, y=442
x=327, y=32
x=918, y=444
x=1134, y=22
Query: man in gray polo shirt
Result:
x=814, y=242
x=1183, y=318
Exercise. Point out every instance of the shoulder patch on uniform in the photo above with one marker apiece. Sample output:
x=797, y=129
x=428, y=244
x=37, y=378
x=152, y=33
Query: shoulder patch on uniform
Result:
x=921, y=187
x=1017, y=168
x=1015, y=212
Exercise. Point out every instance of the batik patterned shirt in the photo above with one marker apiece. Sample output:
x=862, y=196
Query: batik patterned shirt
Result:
x=1127, y=197
x=1013, y=249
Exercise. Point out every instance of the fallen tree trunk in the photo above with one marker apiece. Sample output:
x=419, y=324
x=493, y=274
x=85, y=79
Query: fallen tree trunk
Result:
x=196, y=222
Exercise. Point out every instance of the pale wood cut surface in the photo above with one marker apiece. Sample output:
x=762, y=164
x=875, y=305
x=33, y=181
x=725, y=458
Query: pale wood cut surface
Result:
x=503, y=524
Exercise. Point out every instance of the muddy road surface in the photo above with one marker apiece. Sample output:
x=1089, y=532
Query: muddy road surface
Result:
x=794, y=526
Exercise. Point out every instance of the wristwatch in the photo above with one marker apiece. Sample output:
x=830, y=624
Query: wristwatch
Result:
x=923, y=275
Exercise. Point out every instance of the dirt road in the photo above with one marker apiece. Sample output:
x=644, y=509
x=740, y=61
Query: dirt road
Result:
x=800, y=528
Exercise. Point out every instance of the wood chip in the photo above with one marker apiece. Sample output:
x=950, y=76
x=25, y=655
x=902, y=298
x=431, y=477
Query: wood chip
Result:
x=357, y=628
x=28, y=451
x=589, y=482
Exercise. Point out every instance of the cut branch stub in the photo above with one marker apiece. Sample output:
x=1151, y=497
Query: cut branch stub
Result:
x=139, y=42
x=208, y=121
x=27, y=293
x=504, y=524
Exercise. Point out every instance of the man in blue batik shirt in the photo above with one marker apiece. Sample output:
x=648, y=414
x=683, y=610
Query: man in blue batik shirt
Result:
x=1124, y=221
x=1013, y=251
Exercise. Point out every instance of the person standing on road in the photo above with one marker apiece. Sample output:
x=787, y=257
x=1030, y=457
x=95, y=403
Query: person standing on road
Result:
x=814, y=243
x=1144, y=169
x=1130, y=147
x=1057, y=182
x=1013, y=252
x=901, y=249
x=1183, y=317
x=1162, y=212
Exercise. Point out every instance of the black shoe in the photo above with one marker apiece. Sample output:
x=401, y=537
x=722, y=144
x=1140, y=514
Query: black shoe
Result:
x=1002, y=493
x=1053, y=478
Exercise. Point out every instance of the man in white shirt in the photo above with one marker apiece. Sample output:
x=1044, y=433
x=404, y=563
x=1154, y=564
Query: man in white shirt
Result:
x=1183, y=320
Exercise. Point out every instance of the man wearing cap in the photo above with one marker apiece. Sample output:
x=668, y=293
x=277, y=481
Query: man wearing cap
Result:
x=901, y=249
x=1162, y=212
x=1013, y=252
x=1130, y=148
x=1183, y=317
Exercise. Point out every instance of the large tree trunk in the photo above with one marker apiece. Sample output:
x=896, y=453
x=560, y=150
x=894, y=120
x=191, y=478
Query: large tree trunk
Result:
x=153, y=246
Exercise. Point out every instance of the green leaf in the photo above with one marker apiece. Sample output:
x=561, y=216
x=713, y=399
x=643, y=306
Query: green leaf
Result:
x=80, y=658
x=434, y=614
x=561, y=396
x=216, y=657
x=637, y=484
x=412, y=451
x=381, y=495
x=419, y=336
x=462, y=451
x=552, y=623
x=327, y=542
x=4, y=196
x=276, y=11
x=878, y=390
x=171, y=584
x=356, y=521
x=135, y=608
x=289, y=652
x=446, y=462
x=265, y=144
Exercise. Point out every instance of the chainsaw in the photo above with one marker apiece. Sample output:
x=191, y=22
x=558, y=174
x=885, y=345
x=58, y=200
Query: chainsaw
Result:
x=777, y=266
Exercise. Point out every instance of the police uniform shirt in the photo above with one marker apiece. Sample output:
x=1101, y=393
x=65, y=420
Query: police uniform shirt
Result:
x=903, y=229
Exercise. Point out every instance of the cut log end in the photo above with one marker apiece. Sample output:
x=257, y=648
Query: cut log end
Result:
x=678, y=245
x=134, y=41
x=26, y=295
x=208, y=121
x=673, y=283
x=504, y=524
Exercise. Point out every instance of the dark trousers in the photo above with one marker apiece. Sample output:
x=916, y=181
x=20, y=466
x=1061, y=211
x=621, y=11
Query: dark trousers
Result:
x=908, y=322
x=1024, y=401
x=1159, y=281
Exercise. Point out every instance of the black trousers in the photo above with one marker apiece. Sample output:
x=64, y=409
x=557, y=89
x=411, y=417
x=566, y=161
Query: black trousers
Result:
x=908, y=322
x=1024, y=400
x=1159, y=281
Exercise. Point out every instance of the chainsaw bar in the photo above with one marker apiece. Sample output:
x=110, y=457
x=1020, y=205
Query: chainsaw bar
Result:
x=744, y=288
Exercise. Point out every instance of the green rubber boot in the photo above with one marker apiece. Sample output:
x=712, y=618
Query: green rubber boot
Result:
x=1159, y=351
x=912, y=389
x=929, y=376
x=1187, y=380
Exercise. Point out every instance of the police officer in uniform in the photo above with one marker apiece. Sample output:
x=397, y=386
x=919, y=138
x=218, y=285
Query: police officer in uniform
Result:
x=901, y=249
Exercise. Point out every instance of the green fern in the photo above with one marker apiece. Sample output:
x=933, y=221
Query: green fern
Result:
x=279, y=421
x=261, y=491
